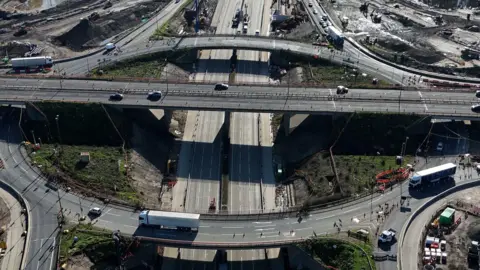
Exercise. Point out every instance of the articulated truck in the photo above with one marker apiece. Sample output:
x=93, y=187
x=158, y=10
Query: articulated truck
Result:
x=27, y=62
x=170, y=220
x=432, y=175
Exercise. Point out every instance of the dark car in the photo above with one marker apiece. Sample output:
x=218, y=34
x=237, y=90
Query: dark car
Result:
x=476, y=108
x=477, y=94
x=154, y=96
x=221, y=86
x=116, y=97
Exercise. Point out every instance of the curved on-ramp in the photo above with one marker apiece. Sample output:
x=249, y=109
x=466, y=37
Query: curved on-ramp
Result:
x=422, y=208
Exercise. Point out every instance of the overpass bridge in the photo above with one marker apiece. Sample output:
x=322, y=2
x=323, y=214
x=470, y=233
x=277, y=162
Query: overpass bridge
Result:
x=453, y=105
x=82, y=65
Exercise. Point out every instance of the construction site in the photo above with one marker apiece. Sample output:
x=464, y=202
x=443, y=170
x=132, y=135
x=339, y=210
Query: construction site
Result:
x=441, y=36
x=451, y=239
x=70, y=28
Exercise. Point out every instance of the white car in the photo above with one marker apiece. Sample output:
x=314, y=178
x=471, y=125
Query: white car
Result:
x=440, y=146
x=315, y=11
x=95, y=211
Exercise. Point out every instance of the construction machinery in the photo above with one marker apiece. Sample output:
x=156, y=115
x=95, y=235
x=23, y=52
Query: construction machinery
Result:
x=376, y=16
x=364, y=8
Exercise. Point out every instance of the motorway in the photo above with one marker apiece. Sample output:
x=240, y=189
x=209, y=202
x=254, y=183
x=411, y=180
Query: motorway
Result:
x=259, y=99
x=22, y=177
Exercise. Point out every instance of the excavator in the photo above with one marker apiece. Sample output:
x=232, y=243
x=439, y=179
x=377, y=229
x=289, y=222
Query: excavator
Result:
x=364, y=8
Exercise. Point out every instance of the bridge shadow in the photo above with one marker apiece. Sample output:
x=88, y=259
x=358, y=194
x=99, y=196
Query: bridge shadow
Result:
x=225, y=66
x=238, y=260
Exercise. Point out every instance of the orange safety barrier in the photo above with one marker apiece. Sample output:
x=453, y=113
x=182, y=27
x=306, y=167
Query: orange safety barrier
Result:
x=394, y=175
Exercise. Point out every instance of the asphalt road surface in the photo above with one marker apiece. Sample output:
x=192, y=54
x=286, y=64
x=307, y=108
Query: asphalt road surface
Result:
x=296, y=100
x=23, y=178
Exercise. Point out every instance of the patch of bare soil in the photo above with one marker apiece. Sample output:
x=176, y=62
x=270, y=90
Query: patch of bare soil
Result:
x=149, y=158
x=177, y=125
x=89, y=33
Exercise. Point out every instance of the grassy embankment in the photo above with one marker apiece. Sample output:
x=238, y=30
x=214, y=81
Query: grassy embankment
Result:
x=94, y=243
x=341, y=254
x=333, y=75
x=83, y=128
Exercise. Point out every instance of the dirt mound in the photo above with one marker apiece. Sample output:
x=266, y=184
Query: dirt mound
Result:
x=474, y=231
x=16, y=49
x=87, y=34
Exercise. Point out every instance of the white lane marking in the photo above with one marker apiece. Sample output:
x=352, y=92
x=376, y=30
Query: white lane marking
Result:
x=130, y=226
x=270, y=236
x=108, y=213
x=14, y=160
x=351, y=210
x=203, y=226
x=232, y=227
x=267, y=229
x=423, y=101
x=333, y=101
x=51, y=254
x=23, y=169
x=320, y=218
x=102, y=220
x=263, y=226
x=262, y=222
x=301, y=229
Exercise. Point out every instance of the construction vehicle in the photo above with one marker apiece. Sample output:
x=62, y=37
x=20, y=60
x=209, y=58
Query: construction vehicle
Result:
x=169, y=220
x=237, y=18
x=364, y=8
x=387, y=236
x=213, y=206
x=246, y=19
x=376, y=17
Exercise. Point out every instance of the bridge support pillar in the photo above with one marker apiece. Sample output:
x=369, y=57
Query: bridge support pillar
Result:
x=167, y=117
x=226, y=120
x=286, y=123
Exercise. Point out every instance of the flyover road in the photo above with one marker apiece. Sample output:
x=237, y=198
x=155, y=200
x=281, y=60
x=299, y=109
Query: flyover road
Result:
x=447, y=104
x=44, y=206
x=360, y=60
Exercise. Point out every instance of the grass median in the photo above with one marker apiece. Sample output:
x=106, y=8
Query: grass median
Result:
x=105, y=173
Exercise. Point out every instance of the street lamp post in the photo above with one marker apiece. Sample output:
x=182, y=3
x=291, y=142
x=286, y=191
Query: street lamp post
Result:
x=402, y=153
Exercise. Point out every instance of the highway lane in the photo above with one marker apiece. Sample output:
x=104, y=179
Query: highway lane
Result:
x=220, y=231
x=265, y=103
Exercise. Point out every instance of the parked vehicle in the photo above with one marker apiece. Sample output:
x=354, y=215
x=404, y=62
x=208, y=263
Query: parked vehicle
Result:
x=26, y=62
x=315, y=11
x=387, y=236
x=432, y=175
x=310, y=4
x=440, y=147
x=477, y=93
x=169, y=220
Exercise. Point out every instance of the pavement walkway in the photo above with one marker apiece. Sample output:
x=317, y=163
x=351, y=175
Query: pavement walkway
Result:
x=15, y=241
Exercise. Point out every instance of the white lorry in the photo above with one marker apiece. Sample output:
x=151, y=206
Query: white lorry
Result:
x=39, y=61
x=387, y=236
x=170, y=220
x=432, y=175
